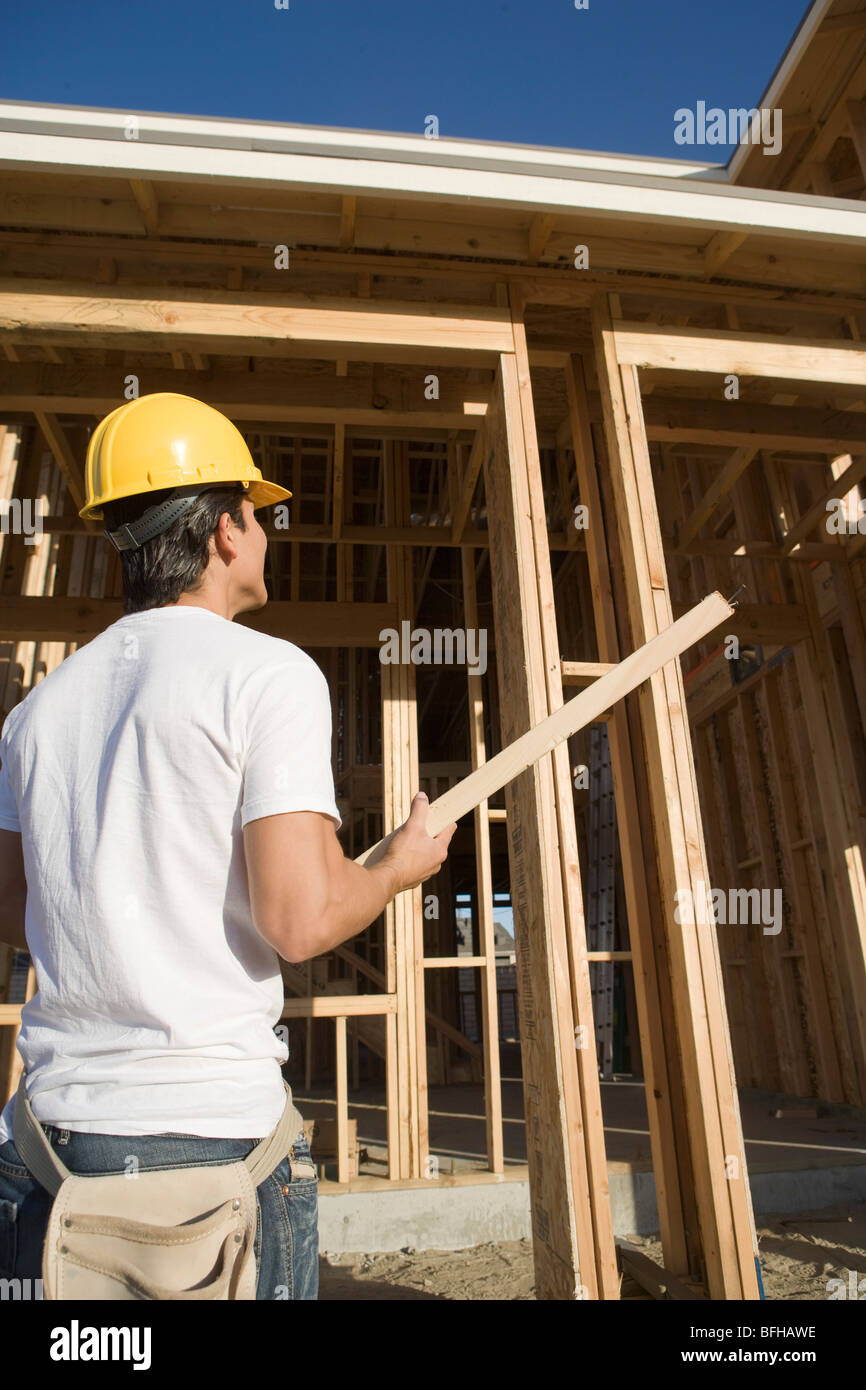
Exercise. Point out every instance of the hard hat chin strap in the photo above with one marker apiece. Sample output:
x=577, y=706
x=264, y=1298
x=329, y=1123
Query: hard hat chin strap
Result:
x=155, y=520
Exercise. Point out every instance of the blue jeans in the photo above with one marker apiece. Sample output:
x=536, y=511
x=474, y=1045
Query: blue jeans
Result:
x=287, y=1238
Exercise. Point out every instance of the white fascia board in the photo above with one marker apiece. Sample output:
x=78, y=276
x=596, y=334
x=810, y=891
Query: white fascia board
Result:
x=649, y=199
x=269, y=137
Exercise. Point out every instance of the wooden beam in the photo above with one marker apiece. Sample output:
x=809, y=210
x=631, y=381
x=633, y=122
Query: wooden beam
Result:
x=467, y=490
x=287, y=391
x=348, y=211
x=843, y=23
x=719, y=248
x=769, y=624
x=339, y=470
x=64, y=455
x=321, y=326
x=339, y=1006
x=715, y=350
x=719, y=488
x=145, y=199
x=562, y=1218
x=539, y=233
x=602, y=1248
x=524, y=751
x=403, y=915
x=715, y=1137
x=817, y=512
x=60, y=619
x=484, y=888
x=856, y=111
x=761, y=426
x=583, y=673
x=657, y=1280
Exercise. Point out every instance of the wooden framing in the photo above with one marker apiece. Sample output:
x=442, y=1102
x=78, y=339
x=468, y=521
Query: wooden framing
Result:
x=718, y=1161
x=553, y=389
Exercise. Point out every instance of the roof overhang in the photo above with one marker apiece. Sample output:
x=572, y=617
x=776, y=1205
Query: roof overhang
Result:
x=252, y=154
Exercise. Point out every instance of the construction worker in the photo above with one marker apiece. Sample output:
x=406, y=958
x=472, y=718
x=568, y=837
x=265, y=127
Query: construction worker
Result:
x=168, y=829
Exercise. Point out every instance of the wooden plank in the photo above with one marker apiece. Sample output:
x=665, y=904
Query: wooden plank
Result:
x=484, y=891
x=561, y=1210
x=339, y=1005
x=402, y=779
x=715, y=350
x=719, y=488
x=145, y=198
x=584, y=672
x=746, y=423
x=602, y=1247
x=64, y=455
x=817, y=512
x=719, y=249
x=342, y=1100
x=652, y=1007
x=61, y=619
x=658, y=1281
x=383, y=330
x=339, y=470
x=773, y=624
x=524, y=751
x=467, y=489
x=727, y=1224
x=287, y=391
x=836, y=789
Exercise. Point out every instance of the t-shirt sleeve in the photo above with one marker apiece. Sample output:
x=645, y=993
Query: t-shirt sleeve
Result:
x=288, y=754
x=8, y=805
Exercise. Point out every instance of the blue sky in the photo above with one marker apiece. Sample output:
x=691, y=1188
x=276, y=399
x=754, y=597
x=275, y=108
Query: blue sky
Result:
x=535, y=72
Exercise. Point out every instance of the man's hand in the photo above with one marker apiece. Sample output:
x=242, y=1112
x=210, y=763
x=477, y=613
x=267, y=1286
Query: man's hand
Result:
x=307, y=897
x=411, y=852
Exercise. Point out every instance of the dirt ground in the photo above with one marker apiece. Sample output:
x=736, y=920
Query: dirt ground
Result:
x=799, y=1257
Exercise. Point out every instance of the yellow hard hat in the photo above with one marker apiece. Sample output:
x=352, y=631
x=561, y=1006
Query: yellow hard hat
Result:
x=168, y=441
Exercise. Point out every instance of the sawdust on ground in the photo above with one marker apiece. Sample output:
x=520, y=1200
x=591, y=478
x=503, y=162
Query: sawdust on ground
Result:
x=800, y=1255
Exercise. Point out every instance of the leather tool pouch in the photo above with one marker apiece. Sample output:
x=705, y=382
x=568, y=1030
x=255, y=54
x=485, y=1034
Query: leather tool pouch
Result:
x=181, y=1233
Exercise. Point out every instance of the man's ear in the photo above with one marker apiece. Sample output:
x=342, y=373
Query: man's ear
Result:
x=223, y=538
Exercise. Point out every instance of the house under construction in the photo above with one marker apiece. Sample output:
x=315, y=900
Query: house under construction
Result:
x=532, y=404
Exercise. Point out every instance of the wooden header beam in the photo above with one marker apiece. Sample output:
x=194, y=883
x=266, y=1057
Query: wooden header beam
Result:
x=752, y=354
x=306, y=624
x=205, y=320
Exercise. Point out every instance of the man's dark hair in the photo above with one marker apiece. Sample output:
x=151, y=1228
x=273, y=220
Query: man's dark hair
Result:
x=170, y=564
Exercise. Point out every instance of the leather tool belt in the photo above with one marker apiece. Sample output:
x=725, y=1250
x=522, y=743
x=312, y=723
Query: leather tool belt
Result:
x=179, y=1233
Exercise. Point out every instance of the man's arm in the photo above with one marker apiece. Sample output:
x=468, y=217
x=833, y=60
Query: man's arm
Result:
x=13, y=890
x=307, y=897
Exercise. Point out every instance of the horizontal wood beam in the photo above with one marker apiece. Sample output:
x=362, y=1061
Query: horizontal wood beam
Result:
x=300, y=394
x=319, y=326
x=737, y=423
x=679, y=420
x=323, y=534
x=771, y=624
x=583, y=673
x=724, y=352
x=24, y=619
x=339, y=1005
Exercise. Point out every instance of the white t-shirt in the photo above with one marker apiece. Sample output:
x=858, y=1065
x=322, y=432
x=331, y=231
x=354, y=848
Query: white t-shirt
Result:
x=130, y=772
